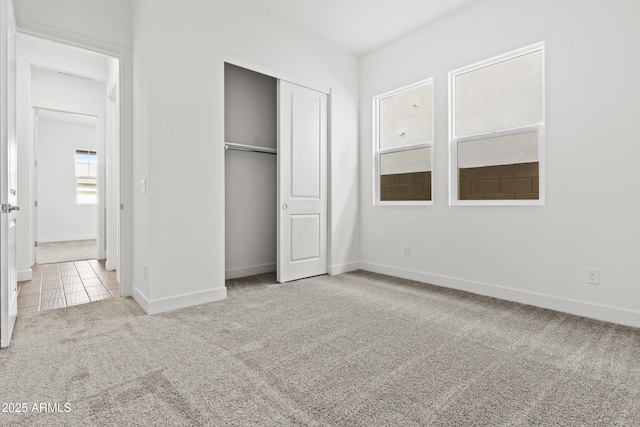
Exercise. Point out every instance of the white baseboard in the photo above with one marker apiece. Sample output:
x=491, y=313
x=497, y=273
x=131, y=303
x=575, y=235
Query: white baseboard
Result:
x=234, y=273
x=142, y=301
x=24, y=275
x=565, y=305
x=344, y=268
x=55, y=239
x=180, y=301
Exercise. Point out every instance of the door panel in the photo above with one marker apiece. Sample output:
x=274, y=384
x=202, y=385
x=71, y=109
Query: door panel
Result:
x=305, y=237
x=306, y=153
x=8, y=163
x=302, y=182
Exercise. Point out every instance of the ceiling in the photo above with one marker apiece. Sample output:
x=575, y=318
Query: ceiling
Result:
x=357, y=26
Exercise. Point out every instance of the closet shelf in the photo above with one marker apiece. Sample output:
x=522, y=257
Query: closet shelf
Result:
x=254, y=148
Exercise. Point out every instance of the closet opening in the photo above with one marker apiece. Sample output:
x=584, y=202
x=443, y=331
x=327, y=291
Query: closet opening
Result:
x=251, y=141
x=276, y=174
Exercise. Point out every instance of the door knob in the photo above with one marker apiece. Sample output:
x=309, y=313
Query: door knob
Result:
x=7, y=208
x=284, y=207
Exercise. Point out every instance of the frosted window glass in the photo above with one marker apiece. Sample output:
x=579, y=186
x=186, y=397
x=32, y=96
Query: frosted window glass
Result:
x=409, y=161
x=503, y=150
x=406, y=118
x=505, y=95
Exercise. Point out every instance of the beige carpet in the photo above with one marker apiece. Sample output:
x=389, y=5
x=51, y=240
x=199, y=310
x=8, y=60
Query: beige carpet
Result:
x=75, y=250
x=357, y=349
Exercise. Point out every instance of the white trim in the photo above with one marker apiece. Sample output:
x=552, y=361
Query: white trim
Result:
x=181, y=301
x=565, y=305
x=54, y=239
x=142, y=301
x=344, y=268
x=25, y=275
x=454, y=140
x=272, y=72
x=329, y=181
x=112, y=178
x=377, y=152
x=252, y=270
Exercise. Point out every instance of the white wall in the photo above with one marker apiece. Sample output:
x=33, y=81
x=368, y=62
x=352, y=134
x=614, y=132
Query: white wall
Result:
x=181, y=131
x=536, y=255
x=60, y=217
x=102, y=26
x=39, y=86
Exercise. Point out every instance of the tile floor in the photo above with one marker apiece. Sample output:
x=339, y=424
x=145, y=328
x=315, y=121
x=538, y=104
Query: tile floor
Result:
x=65, y=284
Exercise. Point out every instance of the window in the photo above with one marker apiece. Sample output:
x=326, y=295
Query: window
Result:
x=403, y=143
x=497, y=130
x=86, y=176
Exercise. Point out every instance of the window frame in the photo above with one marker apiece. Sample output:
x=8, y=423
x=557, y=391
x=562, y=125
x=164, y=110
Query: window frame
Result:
x=377, y=152
x=534, y=127
x=76, y=176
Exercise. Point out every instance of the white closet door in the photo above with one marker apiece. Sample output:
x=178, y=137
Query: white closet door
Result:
x=302, y=182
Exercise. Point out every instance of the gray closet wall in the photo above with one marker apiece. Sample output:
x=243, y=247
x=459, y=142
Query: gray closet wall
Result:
x=250, y=178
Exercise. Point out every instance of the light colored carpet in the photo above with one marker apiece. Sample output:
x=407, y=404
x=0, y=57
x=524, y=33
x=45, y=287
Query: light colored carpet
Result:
x=359, y=349
x=75, y=250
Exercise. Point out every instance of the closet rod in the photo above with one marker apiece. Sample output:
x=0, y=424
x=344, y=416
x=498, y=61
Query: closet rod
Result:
x=254, y=148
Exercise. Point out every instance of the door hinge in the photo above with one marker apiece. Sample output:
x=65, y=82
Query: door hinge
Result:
x=35, y=204
x=35, y=243
x=35, y=163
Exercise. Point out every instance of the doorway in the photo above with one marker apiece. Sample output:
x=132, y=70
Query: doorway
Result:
x=69, y=106
x=66, y=183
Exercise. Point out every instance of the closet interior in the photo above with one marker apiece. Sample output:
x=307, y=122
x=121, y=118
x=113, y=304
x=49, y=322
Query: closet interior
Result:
x=251, y=141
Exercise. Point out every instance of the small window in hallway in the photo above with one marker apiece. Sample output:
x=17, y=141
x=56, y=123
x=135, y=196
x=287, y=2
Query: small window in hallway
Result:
x=86, y=177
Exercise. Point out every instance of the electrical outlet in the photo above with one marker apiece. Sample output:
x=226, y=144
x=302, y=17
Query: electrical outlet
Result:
x=406, y=250
x=593, y=276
